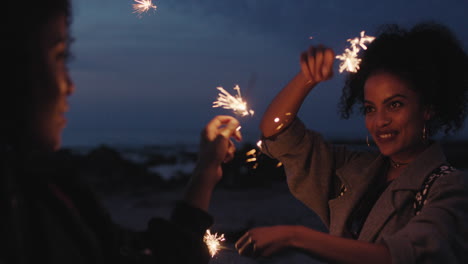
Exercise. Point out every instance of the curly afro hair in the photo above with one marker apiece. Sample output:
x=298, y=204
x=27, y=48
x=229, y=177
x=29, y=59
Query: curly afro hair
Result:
x=430, y=59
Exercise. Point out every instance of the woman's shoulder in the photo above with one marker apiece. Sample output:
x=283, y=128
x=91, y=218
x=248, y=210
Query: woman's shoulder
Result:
x=454, y=176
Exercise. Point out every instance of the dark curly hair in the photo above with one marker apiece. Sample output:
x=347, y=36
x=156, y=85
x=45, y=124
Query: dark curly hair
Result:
x=430, y=59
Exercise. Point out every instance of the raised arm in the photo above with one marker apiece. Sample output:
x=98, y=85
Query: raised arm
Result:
x=316, y=66
x=216, y=148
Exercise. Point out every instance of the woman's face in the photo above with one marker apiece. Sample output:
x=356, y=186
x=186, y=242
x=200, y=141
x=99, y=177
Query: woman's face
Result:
x=50, y=119
x=394, y=116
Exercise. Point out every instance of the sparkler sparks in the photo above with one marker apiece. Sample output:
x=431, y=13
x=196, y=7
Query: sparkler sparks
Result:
x=143, y=6
x=350, y=61
x=213, y=241
x=252, y=155
x=236, y=103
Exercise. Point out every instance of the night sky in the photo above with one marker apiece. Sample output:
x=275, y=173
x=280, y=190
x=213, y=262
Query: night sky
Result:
x=152, y=80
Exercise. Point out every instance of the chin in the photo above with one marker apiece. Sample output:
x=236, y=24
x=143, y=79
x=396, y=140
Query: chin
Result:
x=56, y=145
x=387, y=150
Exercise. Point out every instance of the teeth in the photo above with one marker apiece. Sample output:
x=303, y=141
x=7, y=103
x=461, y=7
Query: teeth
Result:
x=386, y=135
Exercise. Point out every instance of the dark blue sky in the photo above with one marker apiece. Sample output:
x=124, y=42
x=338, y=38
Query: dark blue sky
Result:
x=152, y=80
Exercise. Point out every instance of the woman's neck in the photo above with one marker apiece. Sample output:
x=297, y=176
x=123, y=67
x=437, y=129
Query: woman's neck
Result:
x=399, y=162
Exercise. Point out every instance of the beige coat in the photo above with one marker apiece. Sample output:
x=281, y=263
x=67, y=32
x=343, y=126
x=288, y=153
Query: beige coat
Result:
x=439, y=234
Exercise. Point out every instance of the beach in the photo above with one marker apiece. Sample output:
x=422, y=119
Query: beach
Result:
x=234, y=211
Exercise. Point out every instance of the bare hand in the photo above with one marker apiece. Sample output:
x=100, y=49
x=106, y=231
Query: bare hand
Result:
x=265, y=241
x=216, y=145
x=317, y=64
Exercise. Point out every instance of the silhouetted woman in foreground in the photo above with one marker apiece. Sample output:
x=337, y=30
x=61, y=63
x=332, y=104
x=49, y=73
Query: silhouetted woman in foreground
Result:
x=47, y=215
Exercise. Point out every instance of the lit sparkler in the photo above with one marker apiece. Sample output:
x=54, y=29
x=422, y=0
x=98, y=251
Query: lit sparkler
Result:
x=350, y=61
x=213, y=241
x=252, y=155
x=143, y=6
x=236, y=103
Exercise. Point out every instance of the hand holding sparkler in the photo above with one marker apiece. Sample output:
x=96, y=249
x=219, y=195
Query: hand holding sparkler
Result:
x=265, y=241
x=216, y=147
x=317, y=64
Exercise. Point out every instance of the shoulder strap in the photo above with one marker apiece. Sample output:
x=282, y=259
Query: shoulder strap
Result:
x=420, y=198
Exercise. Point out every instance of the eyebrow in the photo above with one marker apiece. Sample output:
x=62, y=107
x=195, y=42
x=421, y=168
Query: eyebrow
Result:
x=388, y=99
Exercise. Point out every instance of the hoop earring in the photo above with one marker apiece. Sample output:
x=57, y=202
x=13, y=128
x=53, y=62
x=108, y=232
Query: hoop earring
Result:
x=424, y=133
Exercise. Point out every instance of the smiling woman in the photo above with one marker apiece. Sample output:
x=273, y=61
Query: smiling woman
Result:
x=401, y=204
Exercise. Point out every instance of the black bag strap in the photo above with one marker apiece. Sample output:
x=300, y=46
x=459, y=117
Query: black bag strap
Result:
x=420, y=198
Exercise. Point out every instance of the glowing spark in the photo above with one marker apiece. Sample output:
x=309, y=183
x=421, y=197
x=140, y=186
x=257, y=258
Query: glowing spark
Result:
x=236, y=103
x=279, y=164
x=350, y=61
x=213, y=242
x=251, y=160
x=238, y=128
x=143, y=6
x=251, y=152
x=252, y=155
x=277, y=120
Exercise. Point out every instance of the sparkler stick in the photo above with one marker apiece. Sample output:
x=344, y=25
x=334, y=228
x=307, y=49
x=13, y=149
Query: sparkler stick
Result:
x=350, y=61
x=213, y=242
x=235, y=103
x=143, y=6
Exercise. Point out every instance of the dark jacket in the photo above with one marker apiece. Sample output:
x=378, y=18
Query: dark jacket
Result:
x=439, y=234
x=47, y=216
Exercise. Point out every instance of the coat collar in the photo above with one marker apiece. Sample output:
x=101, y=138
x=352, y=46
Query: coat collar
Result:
x=414, y=175
x=401, y=191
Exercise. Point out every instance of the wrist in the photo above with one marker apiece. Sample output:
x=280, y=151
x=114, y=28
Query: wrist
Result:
x=205, y=175
x=295, y=236
x=305, y=82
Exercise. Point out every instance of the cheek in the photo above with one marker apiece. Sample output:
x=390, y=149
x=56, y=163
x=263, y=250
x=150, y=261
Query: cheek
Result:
x=368, y=121
x=411, y=124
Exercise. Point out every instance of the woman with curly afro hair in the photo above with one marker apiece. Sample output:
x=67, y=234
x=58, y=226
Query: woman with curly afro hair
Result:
x=403, y=203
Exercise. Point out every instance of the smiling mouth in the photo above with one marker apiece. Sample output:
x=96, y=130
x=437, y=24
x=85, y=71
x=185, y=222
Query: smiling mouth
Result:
x=386, y=136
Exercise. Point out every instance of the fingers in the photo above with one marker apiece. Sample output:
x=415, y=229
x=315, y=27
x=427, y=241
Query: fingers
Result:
x=329, y=58
x=231, y=130
x=317, y=63
x=231, y=151
x=305, y=66
x=229, y=123
x=245, y=245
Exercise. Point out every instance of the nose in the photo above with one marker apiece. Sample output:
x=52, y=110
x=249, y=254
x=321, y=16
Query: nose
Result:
x=383, y=119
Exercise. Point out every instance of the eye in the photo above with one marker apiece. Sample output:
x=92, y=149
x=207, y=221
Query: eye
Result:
x=368, y=109
x=63, y=55
x=395, y=105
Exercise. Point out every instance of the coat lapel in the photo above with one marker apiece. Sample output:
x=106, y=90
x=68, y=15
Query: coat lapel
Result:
x=401, y=191
x=356, y=185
